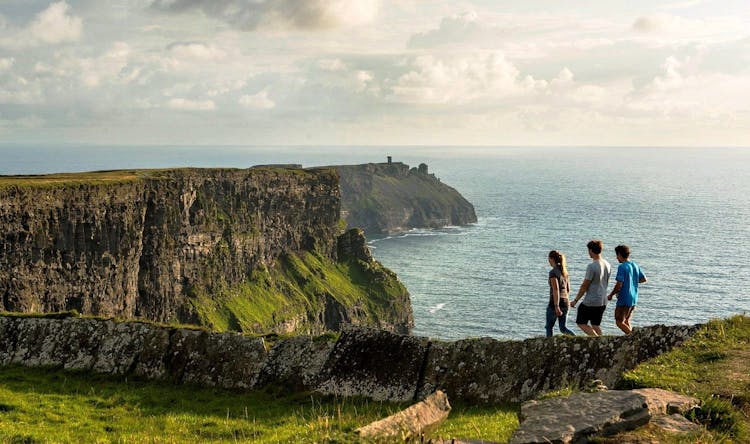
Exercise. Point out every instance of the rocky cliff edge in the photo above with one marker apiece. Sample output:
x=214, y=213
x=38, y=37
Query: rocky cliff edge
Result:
x=254, y=250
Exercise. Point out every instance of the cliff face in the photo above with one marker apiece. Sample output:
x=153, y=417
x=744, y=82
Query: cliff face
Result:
x=187, y=245
x=391, y=197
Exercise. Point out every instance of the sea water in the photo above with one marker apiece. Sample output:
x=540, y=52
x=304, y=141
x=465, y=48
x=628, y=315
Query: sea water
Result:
x=684, y=213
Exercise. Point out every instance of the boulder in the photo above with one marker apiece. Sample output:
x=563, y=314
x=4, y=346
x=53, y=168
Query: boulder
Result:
x=418, y=421
x=575, y=418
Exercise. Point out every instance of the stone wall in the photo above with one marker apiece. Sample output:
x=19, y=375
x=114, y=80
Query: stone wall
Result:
x=362, y=362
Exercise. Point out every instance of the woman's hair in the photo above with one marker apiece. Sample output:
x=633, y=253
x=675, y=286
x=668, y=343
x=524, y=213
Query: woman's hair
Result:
x=559, y=259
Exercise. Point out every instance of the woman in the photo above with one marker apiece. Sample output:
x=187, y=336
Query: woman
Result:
x=559, y=288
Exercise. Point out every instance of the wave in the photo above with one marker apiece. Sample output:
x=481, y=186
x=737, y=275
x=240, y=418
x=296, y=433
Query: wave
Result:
x=424, y=232
x=437, y=308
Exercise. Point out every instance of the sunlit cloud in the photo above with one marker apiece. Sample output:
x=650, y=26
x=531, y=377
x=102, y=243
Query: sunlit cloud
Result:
x=296, y=14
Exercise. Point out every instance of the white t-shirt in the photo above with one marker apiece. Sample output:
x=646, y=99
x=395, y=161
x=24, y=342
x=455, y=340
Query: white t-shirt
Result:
x=598, y=273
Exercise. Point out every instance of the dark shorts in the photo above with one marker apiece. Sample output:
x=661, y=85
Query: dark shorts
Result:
x=588, y=314
x=623, y=313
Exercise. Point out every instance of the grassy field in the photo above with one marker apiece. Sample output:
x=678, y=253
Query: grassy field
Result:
x=45, y=405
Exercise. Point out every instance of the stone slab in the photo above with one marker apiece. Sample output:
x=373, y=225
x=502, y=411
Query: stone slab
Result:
x=574, y=418
x=418, y=421
x=675, y=423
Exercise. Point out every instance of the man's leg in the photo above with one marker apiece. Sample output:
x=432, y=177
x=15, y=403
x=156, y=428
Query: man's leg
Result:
x=596, y=319
x=582, y=319
x=622, y=314
x=628, y=316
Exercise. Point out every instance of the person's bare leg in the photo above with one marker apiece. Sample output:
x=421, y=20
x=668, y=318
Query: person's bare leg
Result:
x=587, y=329
x=624, y=327
x=597, y=329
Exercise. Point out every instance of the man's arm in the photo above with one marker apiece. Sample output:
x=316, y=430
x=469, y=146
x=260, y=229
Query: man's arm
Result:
x=581, y=291
x=615, y=290
x=642, y=280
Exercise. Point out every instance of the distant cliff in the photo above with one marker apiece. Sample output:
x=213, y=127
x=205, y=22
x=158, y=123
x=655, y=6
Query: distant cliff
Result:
x=391, y=197
x=252, y=250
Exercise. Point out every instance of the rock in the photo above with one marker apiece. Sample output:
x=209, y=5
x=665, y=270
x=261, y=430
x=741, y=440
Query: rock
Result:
x=374, y=363
x=295, y=363
x=353, y=245
x=8, y=330
x=122, y=348
x=418, y=421
x=675, y=423
x=577, y=417
x=227, y=360
x=664, y=402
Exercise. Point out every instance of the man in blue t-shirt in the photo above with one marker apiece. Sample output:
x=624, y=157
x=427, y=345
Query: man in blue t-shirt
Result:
x=629, y=275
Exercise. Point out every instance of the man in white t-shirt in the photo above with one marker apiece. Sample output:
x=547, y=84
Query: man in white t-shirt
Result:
x=594, y=286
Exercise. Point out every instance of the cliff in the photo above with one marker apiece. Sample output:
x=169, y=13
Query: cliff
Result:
x=252, y=250
x=391, y=197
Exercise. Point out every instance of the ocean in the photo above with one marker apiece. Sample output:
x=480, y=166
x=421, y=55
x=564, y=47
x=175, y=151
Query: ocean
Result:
x=683, y=211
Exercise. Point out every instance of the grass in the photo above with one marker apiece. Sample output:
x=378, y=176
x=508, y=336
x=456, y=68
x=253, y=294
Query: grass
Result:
x=44, y=405
x=296, y=286
x=120, y=176
x=90, y=178
x=713, y=366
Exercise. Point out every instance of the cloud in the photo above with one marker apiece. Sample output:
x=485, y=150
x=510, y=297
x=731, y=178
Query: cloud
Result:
x=52, y=26
x=452, y=30
x=460, y=79
x=6, y=63
x=196, y=51
x=181, y=104
x=257, y=101
x=291, y=14
x=669, y=29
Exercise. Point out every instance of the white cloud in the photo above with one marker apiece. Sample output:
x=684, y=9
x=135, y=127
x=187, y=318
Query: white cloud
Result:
x=196, y=51
x=460, y=79
x=668, y=29
x=455, y=29
x=294, y=14
x=684, y=93
x=54, y=25
x=257, y=101
x=181, y=104
x=6, y=63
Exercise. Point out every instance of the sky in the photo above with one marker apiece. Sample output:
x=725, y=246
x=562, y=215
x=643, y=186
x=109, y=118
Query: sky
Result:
x=375, y=72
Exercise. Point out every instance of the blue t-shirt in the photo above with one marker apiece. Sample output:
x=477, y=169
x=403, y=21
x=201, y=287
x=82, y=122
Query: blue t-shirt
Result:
x=629, y=273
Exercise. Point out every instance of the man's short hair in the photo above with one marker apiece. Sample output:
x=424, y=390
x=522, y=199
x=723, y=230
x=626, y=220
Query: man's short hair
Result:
x=623, y=251
x=595, y=246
